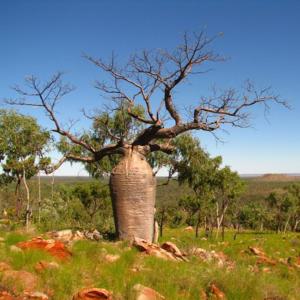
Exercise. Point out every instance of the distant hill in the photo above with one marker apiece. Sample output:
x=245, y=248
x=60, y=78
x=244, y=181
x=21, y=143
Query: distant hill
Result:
x=279, y=177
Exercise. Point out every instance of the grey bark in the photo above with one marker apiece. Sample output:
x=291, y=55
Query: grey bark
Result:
x=133, y=189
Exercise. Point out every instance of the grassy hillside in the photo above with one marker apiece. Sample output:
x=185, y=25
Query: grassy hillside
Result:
x=242, y=276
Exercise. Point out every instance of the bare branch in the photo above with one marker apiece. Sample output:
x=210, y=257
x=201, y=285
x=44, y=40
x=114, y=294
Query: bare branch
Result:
x=48, y=95
x=68, y=157
x=166, y=148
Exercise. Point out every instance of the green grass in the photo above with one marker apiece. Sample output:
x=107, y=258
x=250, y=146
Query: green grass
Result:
x=174, y=280
x=14, y=238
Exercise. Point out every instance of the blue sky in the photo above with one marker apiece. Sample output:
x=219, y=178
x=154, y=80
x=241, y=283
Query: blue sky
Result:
x=261, y=39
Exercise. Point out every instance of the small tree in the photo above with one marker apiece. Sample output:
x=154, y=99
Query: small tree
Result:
x=228, y=188
x=293, y=194
x=195, y=167
x=212, y=185
x=281, y=206
x=22, y=146
x=147, y=76
x=93, y=196
x=164, y=213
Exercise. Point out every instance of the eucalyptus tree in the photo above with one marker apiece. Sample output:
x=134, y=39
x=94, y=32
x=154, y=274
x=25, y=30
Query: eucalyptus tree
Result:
x=293, y=193
x=213, y=185
x=149, y=79
x=229, y=187
x=196, y=168
x=22, y=147
x=281, y=206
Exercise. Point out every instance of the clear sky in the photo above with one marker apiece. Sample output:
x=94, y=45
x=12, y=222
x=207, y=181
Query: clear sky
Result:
x=261, y=37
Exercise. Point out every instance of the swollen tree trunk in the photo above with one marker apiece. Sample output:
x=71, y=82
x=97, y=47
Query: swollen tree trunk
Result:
x=133, y=188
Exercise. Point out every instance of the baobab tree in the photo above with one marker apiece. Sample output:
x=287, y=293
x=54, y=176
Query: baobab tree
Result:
x=148, y=78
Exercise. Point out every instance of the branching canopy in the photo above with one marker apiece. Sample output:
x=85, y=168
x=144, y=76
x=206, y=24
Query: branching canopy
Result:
x=135, y=120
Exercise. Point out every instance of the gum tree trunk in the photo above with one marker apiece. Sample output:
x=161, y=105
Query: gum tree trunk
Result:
x=133, y=190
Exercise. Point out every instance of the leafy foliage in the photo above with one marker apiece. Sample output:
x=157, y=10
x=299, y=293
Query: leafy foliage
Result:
x=94, y=197
x=22, y=145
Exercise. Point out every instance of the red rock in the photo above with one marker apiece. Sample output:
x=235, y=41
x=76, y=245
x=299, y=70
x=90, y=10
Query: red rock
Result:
x=146, y=293
x=152, y=249
x=262, y=257
x=217, y=292
x=202, y=295
x=266, y=270
x=257, y=251
x=62, y=235
x=142, y=245
x=221, y=258
x=171, y=252
x=35, y=296
x=189, y=228
x=6, y=296
x=205, y=255
x=111, y=257
x=172, y=248
x=55, y=248
x=93, y=294
x=266, y=260
x=21, y=280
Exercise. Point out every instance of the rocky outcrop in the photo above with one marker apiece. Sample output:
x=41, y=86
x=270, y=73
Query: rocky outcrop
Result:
x=167, y=251
x=34, y=296
x=219, y=295
x=53, y=247
x=220, y=258
x=111, y=257
x=4, y=295
x=262, y=257
x=67, y=236
x=93, y=294
x=189, y=228
x=145, y=293
x=20, y=280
